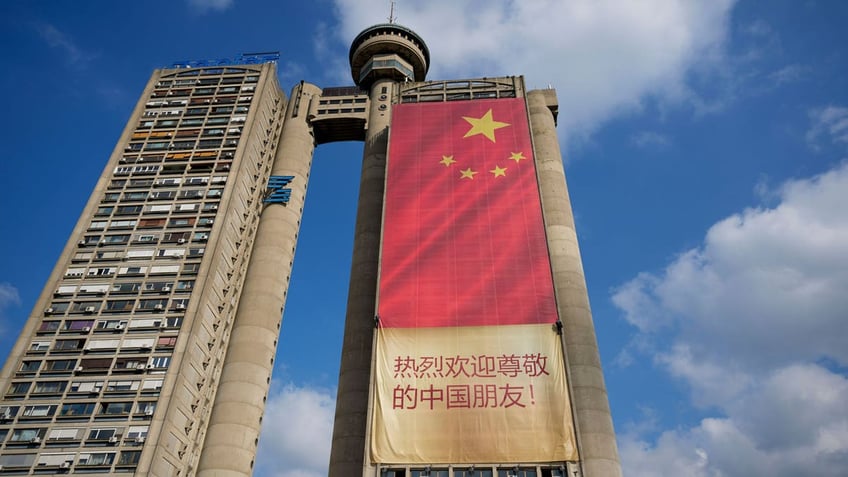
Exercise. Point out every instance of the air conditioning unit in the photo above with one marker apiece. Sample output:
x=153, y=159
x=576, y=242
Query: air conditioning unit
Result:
x=49, y=311
x=7, y=414
x=182, y=240
x=86, y=329
x=147, y=412
x=180, y=306
x=81, y=243
x=140, y=367
x=150, y=365
x=163, y=324
x=140, y=440
x=119, y=326
x=159, y=307
x=65, y=465
x=35, y=440
x=146, y=346
x=113, y=440
x=166, y=289
x=79, y=368
x=90, y=309
x=213, y=207
x=204, y=237
x=210, y=222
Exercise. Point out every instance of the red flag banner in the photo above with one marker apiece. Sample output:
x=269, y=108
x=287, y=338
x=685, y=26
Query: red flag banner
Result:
x=463, y=237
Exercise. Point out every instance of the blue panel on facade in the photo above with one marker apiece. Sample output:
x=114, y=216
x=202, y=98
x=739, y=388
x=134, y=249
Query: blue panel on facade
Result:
x=277, y=193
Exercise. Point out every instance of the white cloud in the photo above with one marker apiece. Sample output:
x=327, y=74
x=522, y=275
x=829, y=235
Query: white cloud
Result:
x=829, y=124
x=746, y=321
x=209, y=5
x=650, y=140
x=296, y=432
x=604, y=57
x=8, y=295
x=74, y=54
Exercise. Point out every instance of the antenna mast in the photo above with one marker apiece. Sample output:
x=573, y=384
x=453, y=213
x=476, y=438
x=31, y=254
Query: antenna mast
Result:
x=392, y=17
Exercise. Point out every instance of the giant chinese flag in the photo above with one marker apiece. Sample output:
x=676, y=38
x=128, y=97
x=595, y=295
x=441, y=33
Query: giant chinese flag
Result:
x=469, y=368
x=463, y=238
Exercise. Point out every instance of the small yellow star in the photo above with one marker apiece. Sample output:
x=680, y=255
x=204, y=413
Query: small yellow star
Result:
x=447, y=160
x=517, y=156
x=467, y=174
x=499, y=171
x=485, y=126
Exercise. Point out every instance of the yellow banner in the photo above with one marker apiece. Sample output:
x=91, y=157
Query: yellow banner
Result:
x=471, y=395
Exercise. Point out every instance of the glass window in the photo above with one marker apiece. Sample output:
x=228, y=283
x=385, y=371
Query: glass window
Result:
x=115, y=408
x=53, y=325
x=100, y=458
x=19, y=388
x=27, y=435
x=129, y=457
x=61, y=365
x=30, y=366
x=49, y=387
x=101, y=434
x=39, y=411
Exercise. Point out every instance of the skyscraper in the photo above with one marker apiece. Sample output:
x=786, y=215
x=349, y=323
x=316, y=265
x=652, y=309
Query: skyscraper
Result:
x=469, y=345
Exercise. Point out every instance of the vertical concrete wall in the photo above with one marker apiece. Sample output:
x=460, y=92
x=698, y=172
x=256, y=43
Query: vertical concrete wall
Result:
x=596, y=437
x=350, y=445
x=233, y=433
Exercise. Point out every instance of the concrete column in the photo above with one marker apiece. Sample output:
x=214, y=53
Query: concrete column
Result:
x=350, y=443
x=595, y=434
x=234, y=425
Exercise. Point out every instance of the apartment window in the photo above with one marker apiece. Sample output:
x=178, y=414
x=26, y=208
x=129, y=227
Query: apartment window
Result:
x=86, y=307
x=173, y=321
x=115, y=408
x=137, y=432
x=18, y=389
x=68, y=345
x=99, y=225
x=7, y=413
x=64, y=434
x=98, y=345
x=96, y=364
x=39, y=346
x=60, y=365
x=49, y=387
x=516, y=472
x=39, y=411
x=182, y=222
x=27, y=435
x=101, y=434
x=147, y=408
x=81, y=326
x=48, y=326
x=195, y=252
x=91, y=387
x=160, y=361
x=429, y=473
x=149, y=305
x=129, y=457
x=166, y=342
x=122, y=386
x=191, y=268
x=30, y=367
x=119, y=305
x=17, y=461
x=111, y=325
x=96, y=459
x=185, y=285
x=135, y=195
x=192, y=122
x=127, y=287
x=129, y=210
x=104, y=211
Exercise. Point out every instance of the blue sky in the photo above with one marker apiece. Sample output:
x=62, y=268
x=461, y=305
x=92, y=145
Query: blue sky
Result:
x=705, y=147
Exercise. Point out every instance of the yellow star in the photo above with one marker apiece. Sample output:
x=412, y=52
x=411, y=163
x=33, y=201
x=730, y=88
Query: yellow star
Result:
x=517, y=156
x=447, y=161
x=485, y=126
x=499, y=171
x=467, y=174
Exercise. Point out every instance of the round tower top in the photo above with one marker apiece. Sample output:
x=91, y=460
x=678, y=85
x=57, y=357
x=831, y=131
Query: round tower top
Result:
x=388, y=39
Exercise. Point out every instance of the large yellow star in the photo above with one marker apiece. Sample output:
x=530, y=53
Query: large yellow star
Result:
x=517, y=156
x=467, y=174
x=447, y=160
x=485, y=126
x=499, y=171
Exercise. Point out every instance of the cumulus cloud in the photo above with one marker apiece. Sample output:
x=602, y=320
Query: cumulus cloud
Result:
x=210, y=5
x=296, y=432
x=650, y=140
x=604, y=57
x=749, y=321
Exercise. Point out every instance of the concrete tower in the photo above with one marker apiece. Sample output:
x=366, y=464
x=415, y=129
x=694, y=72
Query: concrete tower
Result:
x=381, y=57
